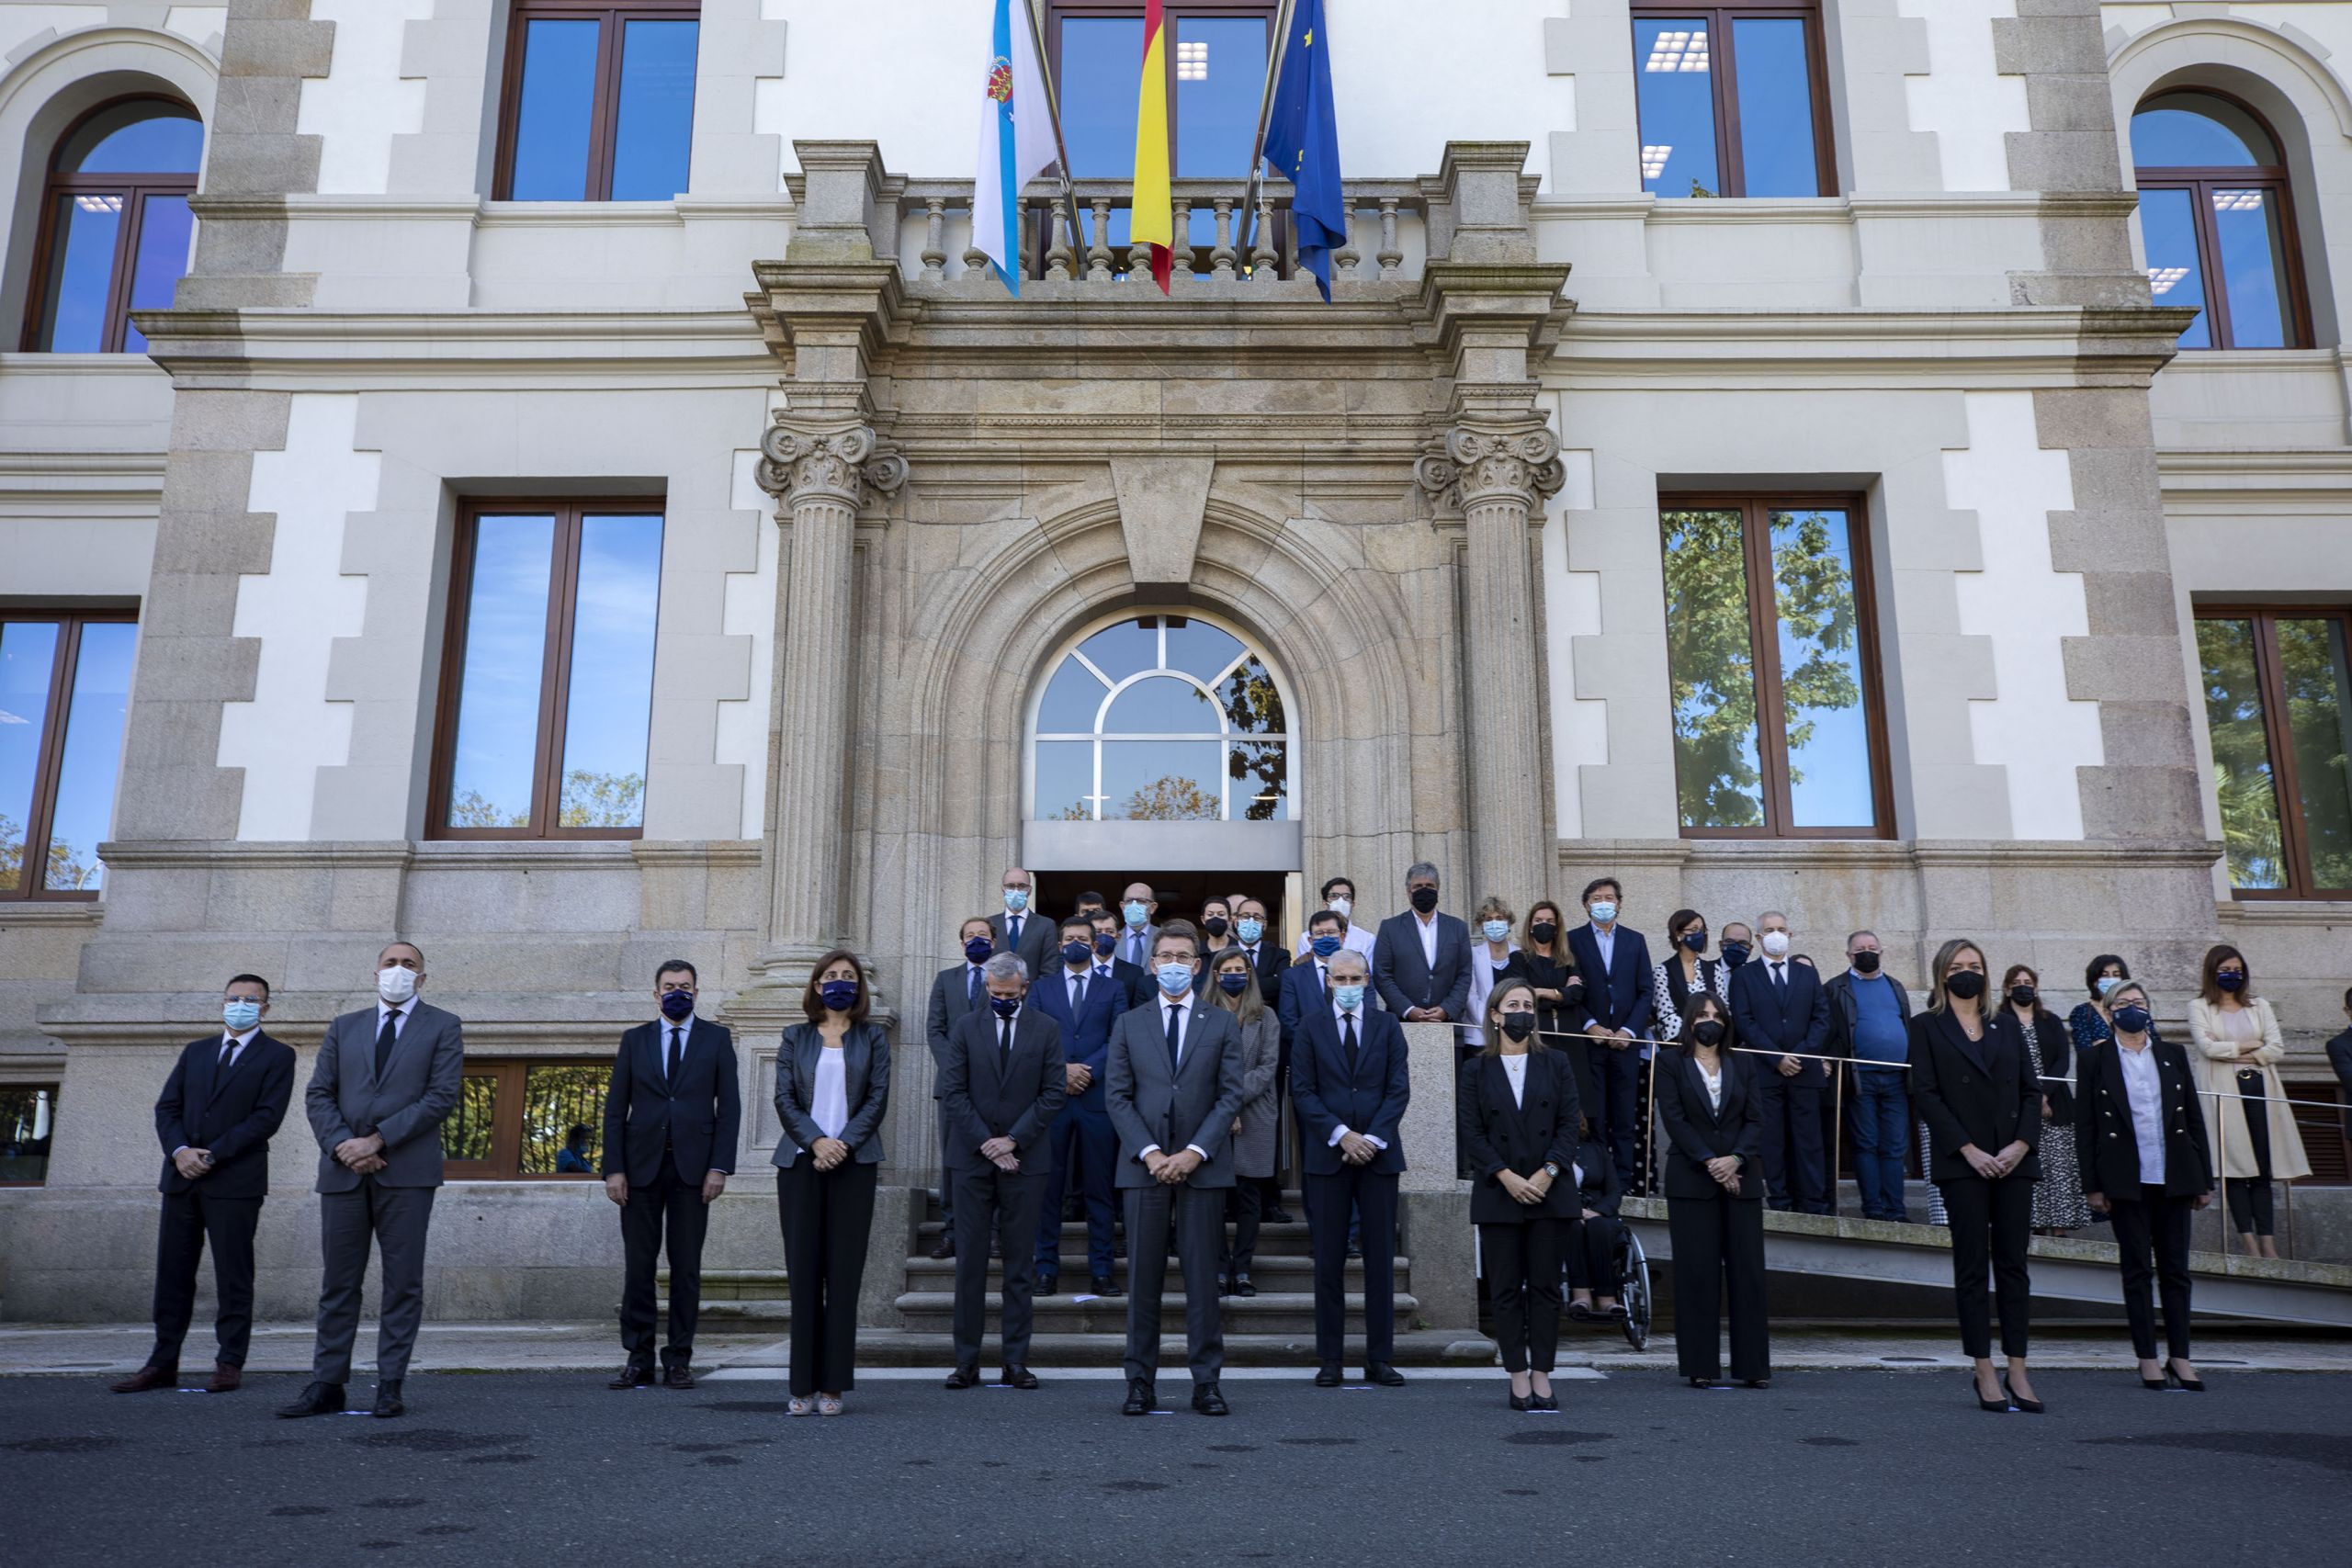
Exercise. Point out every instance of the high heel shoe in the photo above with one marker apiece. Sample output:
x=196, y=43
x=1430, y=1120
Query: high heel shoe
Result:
x=2157, y=1385
x=1518, y=1402
x=2030, y=1406
x=2194, y=1385
x=1998, y=1407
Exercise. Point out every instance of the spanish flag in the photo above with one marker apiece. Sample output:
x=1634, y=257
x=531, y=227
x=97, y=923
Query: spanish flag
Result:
x=1152, y=220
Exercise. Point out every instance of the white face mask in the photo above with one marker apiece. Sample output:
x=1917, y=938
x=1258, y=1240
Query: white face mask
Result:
x=395, y=984
x=1776, y=944
x=1343, y=907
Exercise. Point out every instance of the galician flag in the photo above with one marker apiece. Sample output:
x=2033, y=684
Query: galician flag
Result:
x=1016, y=142
x=1152, y=220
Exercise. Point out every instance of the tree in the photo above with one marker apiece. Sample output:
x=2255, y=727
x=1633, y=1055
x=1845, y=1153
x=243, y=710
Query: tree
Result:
x=1172, y=799
x=63, y=870
x=602, y=800
x=1253, y=707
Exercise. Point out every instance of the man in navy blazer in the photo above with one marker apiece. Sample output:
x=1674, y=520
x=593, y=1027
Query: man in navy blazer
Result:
x=225, y=1098
x=1082, y=1145
x=954, y=991
x=1617, y=1006
x=1133, y=982
x=1350, y=1081
x=1777, y=1005
x=672, y=1115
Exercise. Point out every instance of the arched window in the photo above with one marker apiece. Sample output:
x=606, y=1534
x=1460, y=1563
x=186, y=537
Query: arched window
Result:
x=115, y=225
x=1161, y=718
x=2218, y=221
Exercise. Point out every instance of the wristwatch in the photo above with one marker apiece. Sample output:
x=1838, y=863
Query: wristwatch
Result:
x=1552, y=1168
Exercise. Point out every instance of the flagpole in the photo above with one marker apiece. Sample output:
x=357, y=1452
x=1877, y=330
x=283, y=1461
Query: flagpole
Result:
x=1258, y=145
x=1054, y=113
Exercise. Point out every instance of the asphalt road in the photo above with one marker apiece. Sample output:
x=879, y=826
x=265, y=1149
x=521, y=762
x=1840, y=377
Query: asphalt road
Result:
x=1870, y=1467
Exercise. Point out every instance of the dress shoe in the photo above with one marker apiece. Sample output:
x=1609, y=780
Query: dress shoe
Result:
x=1384, y=1374
x=226, y=1379
x=1225, y=1284
x=1522, y=1402
x=1048, y=1285
x=635, y=1375
x=943, y=1247
x=2030, y=1406
x=2172, y=1375
x=1019, y=1377
x=1278, y=1217
x=1328, y=1375
x=1208, y=1401
x=1355, y=1252
x=388, y=1399
x=1104, y=1285
x=964, y=1377
x=146, y=1377
x=1542, y=1402
x=1140, y=1398
x=679, y=1376
x=1242, y=1287
x=319, y=1399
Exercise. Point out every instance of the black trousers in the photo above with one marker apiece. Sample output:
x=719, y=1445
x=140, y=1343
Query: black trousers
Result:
x=946, y=1177
x=189, y=1221
x=1591, y=1250
x=1246, y=1208
x=827, y=1217
x=1523, y=1286
x=1009, y=1206
x=1796, y=1162
x=670, y=1206
x=1372, y=1197
x=2158, y=1220
x=1719, y=1250
x=1992, y=1225
x=1616, y=1104
x=2250, y=1197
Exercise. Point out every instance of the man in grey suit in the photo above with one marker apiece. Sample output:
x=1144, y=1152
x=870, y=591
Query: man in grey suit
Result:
x=1003, y=1085
x=1174, y=1087
x=1022, y=929
x=386, y=1077
x=1137, y=934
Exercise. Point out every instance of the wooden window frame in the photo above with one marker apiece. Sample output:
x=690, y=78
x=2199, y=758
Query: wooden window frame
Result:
x=2285, y=784
x=555, y=667
x=53, y=1086
x=51, y=756
x=2331, y=1167
x=505, y=1161
x=135, y=189
x=1764, y=654
x=2201, y=181
x=1731, y=160
x=604, y=106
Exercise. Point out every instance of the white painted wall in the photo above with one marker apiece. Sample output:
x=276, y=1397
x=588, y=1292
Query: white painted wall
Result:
x=742, y=733
x=1571, y=609
x=362, y=101
x=1969, y=105
x=19, y=22
x=2024, y=609
x=297, y=609
x=199, y=24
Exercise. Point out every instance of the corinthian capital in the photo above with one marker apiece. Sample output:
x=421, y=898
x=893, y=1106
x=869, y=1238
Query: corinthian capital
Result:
x=1484, y=464
x=840, y=463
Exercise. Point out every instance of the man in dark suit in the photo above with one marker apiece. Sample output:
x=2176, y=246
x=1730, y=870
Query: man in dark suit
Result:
x=671, y=1117
x=1175, y=1087
x=1005, y=1082
x=1777, y=1005
x=955, y=991
x=1133, y=982
x=1022, y=929
x=1137, y=906
x=1081, y=1147
x=385, y=1079
x=224, y=1100
x=1352, y=1085
x=1306, y=986
x=1421, y=960
x=1616, y=1005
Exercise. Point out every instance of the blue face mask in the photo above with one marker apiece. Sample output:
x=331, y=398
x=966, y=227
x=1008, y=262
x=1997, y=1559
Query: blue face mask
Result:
x=1015, y=900
x=677, y=1005
x=1249, y=929
x=1496, y=930
x=1136, y=913
x=1076, y=953
x=1232, y=984
x=240, y=1015
x=1175, y=979
x=977, y=951
x=1005, y=1006
x=1326, y=945
x=2107, y=984
x=1105, y=942
x=1735, y=954
x=2230, y=980
x=1604, y=911
x=1695, y=940
x=839, y=995
x=2132, y=1019
x=1349, y=998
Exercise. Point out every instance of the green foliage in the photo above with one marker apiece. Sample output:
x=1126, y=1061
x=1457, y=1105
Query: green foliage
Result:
x=590, y=800
x=1253, y=706
x=65, y=872
x=1172, y=799
x=2242, y=777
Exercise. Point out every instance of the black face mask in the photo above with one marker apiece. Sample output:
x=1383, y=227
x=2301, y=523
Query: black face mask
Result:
x=1215, y=925
x=1965, y=984
x=1866, y=964
x=2132, y=1019
x=1735, y=954
x=1424, y=899
x=1695, y=940
x=1543, y=930
x=1708, y=1032
x=2023, y=995
x=1519, y=1025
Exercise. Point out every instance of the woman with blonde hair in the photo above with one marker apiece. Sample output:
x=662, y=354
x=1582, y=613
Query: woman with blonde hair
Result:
x=2234, y=1036
x=1491, y=950
x=1234, y=988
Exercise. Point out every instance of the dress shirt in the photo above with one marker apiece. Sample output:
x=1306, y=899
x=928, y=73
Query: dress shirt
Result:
x=1131, y=946
x=1182, y=1007
x=1714, y=1082
x=1427, y=925
x=1515, y=1068
x=1780, y=974
x=236, y=1043
x=399, y=1015
x=1605, y=939
x=2143, y=1086
x=830, y=1106
x=1342, y=1018
x=663, y=1025
x=1075, y=981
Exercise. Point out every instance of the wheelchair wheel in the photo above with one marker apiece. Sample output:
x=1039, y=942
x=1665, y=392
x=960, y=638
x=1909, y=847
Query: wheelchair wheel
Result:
x=1634, y=1291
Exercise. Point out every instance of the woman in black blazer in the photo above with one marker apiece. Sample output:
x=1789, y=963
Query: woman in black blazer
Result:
x=1517, y=1114
x=1974, y=1084
x=832, y=1085
x=2147, y=1205
x=1708, y=1101
x=1543, y=962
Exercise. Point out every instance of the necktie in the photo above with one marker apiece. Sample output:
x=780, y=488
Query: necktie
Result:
x=1012, y=933
x=1004, y=1037
x=228, y=1052
x=1780, y=979
x=1134, y=948
x=1077, y=994
x=385, y=1038
x=972, y=984
x=1348, y=1038
x=670, y=1073
x=1175, y=1035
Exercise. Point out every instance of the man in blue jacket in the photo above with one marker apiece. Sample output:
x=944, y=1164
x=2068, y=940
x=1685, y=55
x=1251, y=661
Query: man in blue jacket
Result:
x=1614, y=1014
x=1081, y=1144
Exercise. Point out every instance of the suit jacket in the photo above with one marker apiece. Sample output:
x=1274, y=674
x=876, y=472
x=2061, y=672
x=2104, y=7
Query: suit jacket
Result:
x=1194, y=1105
x=419, y=1087
x=1039, y=936
x=1799, y=1025
x=1302, y=990
x=1268, y=962
x=699, y=1113
x=1599, y=1189
x=1497, y=1134
x=1126, y=938
x=1086, y=1039
x=991, y=1094
x=234, y=1116
x=866, y=1083
x=1973, y=1091
x=1261, y=1066
x=1369, y=1097
x=1402, y=976
x=2106, y=1146
x=951, y=998
x=1132, y=980
x=1619, y=996
x=1697, y=1132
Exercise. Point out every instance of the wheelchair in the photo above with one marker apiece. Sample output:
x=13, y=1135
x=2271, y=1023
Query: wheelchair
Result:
x=1633, y=1287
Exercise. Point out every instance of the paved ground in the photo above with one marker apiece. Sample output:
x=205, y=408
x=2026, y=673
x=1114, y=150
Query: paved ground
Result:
x=1856, y=1467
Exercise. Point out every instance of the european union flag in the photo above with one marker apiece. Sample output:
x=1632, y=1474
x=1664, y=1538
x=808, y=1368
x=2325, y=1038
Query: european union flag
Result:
x=1303, y=143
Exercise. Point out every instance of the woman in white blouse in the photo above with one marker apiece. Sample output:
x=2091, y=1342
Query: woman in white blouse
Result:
x=2249, y=1126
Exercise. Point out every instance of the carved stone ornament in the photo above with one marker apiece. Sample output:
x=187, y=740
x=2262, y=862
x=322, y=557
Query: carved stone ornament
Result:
x=1481, y=467
x=842, y=464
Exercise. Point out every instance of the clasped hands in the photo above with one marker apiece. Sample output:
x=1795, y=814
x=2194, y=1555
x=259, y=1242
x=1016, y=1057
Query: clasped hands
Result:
x=828, y=1153
x=999, y=1152
x=362, y=1156
x=1523, y=1188
x=1992, y=1167
x=1172, y=1171
x=192, y=1163
x=1724, y=1168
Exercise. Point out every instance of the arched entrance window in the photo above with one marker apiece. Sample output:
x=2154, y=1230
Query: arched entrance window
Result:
x=115, y=226
x=1161, y=717
x=2218, y=221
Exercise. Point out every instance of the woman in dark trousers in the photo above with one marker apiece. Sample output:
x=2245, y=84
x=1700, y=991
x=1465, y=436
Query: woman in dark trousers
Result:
x=1593, y=1246
x=1714, y=1198
x=1974, y=1084
x=1543, y=960
x=2140, y=1145
x=2058, y=1206
x=832, y=1085
x=1517, y=1114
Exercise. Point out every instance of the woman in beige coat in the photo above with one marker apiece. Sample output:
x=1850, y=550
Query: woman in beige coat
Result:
x=2235, y=1036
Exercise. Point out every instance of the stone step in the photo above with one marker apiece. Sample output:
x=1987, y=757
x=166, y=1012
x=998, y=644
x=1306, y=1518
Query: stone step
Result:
x=1266, y=1273
x=1047, y=1351
x=1274, y=1241
x=733, y=1285
x=1284, y=1312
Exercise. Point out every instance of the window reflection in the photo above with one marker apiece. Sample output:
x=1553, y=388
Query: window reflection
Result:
x=610, y=710
x=656, y=110
x=563, y=1120
x=91, y=756
x=2242, y=777
x=116, y=229
x=1710, y=659
x=1727, y=102
x=1821, y=670
x=1096, y=77
x=2217, y=220
x=65, y=696
x=602, y=102
x=557, y=110
x=27, y=1132
x=498, y=696
x=2317, y=687
x=469, y=1135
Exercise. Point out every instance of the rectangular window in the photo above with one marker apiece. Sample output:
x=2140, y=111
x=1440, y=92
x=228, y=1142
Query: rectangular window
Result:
x=527, y=1119
x=64, y=693
x=599, y=100
x=2278, y=708
x=548, y=679
x=1216, y=58
x=1772, y=653
x=1730, y=99
x=28, y=1125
